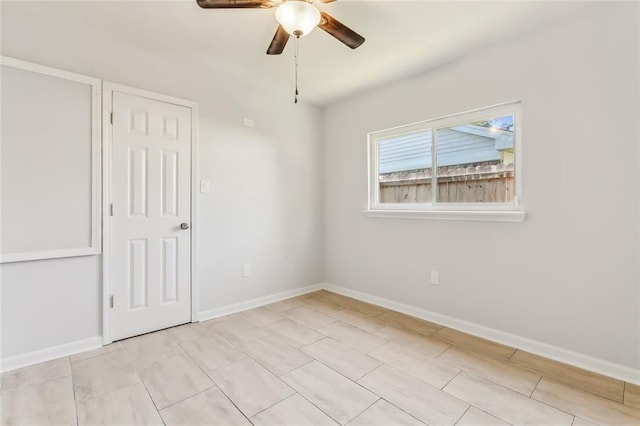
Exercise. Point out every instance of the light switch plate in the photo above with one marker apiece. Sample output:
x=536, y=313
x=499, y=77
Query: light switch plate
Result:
x=204, y=186
x=435, y=277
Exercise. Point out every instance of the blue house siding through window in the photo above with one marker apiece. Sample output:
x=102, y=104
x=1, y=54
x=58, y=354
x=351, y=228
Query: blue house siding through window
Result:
x=456, y=145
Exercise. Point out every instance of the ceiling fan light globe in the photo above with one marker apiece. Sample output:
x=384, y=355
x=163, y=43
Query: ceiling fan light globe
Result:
x=298, y=17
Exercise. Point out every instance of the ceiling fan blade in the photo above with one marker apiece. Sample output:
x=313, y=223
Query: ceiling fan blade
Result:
x=236, y=4
x=340, y=31
x=327, y=1
x=279, y=41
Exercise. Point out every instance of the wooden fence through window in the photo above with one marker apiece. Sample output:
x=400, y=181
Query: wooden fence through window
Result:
x=492, y=183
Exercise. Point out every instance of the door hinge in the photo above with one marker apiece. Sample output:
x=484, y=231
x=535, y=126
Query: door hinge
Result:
x=111, y=209
x=111, y=302
x=111, y=118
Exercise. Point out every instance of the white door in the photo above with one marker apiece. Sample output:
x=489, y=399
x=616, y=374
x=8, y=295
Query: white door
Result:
x=150, y=223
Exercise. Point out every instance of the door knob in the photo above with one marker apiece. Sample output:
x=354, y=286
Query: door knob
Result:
x=184, y=225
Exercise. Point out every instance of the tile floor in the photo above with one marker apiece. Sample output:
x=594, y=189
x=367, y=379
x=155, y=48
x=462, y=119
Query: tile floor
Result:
x=318, y=359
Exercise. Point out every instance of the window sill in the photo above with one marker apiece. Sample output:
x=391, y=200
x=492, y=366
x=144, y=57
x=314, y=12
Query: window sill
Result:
x=466, y=215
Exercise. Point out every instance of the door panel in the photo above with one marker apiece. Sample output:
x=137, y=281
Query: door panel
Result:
x=169, y=270
x=137, y=181
x=169, y=184
x=137, y=268
x=151, y=193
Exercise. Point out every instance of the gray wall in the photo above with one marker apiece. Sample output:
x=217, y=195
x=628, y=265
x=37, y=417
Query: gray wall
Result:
x=265, y=204
x=568, y=275
x=47, y=158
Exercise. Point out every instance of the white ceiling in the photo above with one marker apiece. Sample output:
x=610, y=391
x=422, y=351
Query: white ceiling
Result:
x=402, y=37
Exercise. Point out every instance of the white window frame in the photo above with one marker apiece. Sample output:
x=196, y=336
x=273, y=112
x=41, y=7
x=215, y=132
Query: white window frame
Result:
x=502, y=212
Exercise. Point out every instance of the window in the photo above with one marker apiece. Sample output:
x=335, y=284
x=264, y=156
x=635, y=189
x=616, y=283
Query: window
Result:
x=464, y=166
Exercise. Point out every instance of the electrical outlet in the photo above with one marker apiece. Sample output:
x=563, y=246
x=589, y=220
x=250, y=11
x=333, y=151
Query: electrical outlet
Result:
x=248, y=122
x=435, y=277
x=246, y=271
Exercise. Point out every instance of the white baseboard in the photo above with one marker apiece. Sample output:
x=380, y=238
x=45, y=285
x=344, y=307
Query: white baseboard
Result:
x=48, y=354
x=260, y=301
x=59, y=351
x=586, y=362
x=556, y=353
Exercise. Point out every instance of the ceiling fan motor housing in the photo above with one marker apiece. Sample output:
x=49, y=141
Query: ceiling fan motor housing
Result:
x=298, y=17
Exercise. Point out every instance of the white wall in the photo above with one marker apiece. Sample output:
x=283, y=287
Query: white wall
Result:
x=265, y=204
x=568, y=275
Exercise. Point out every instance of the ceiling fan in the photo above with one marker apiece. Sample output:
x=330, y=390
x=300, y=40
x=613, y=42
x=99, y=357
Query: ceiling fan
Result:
x=296, y=17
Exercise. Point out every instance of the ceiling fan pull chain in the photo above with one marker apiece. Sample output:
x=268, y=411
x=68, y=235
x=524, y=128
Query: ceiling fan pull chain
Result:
x=295, y=56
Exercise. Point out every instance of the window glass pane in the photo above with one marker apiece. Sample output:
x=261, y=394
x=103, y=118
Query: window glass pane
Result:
x=475, y=162
x=404, y=168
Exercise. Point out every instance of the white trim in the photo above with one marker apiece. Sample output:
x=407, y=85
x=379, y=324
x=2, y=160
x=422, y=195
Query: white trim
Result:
x=445, y=211
x=587, y=362
x=260, y=301
x=42, y=69
x=476, y=215
x=115, y=87
x=59, y=351
x=195, y=205
x=556, y=353
x=452, y=119
x=48, y=254
x=106, y=206
x=96, y=142
x=108, y=89
x=48, y=354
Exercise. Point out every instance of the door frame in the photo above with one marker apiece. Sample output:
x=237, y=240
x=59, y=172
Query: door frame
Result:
x=108, y=89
